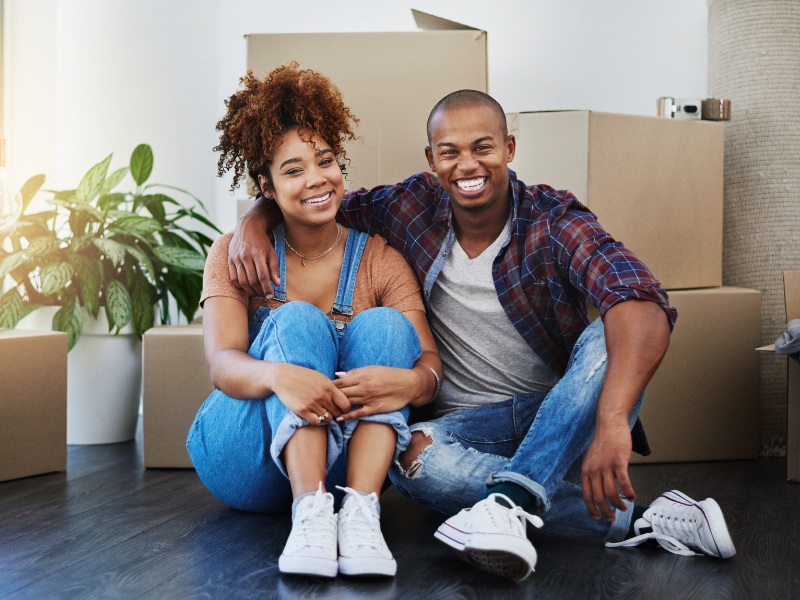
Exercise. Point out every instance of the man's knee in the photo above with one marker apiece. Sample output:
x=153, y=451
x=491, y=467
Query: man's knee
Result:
x=409, y=459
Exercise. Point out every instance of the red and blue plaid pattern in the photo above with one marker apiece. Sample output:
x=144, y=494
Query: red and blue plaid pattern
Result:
x=557, y=258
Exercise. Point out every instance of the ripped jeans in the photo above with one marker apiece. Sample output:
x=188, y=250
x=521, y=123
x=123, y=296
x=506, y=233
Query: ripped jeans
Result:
x=534, y=440
x=236, y=445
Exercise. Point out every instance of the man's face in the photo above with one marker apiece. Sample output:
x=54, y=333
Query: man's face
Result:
x=470, y=155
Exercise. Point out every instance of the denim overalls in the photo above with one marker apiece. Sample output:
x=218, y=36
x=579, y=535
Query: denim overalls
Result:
x=236, y=445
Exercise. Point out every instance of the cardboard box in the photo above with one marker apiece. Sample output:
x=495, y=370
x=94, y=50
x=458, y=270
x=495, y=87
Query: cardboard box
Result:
x=33, y=403
x=702, y=403
x=176, y=383
x=654, y=183
x=791, y=292
x=390, y=80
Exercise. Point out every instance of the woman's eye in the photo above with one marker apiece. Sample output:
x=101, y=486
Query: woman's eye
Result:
x=293, y=171
x=327, y=161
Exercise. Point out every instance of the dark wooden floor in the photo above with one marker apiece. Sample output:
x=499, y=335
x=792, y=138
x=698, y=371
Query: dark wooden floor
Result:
x=109, y=529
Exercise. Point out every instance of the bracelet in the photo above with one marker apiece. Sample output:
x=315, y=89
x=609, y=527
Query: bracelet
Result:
x=436, y=375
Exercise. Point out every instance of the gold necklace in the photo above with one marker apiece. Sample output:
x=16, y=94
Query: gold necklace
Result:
x=305, y=258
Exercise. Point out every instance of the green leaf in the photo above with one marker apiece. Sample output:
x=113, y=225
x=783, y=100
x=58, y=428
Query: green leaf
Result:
x=10, y=309
x=92, y=182
x=180, y=257
x=113, y=180
x=142, y=257
x=141, y=163
x=90, y=276
x=29, y=189
x=118, y=303
x=137, y=225
x=28, y=309
x=143, y=312
x=41, y=246
x=110, y=201
x=155, y=205
x=119, y=214
x=82, y=242
x=55, y=276
x=10, y=263
x=75, y=204
x=192, y=214
x=113, y=250
x=70, y=320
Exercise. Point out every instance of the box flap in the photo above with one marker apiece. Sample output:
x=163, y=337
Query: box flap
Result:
x=791, y=291
x=770, y=348
x=433, y=23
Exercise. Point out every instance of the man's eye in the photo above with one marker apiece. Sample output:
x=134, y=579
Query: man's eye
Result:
x=482, y=148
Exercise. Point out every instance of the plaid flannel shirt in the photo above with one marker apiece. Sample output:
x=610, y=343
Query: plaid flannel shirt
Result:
x=556, y=258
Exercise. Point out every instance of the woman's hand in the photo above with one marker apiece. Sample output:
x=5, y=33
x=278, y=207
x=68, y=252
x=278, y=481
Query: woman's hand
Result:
x=308, y=393
x=379, y=389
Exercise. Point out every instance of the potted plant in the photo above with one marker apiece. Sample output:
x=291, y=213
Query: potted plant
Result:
x=105, y=255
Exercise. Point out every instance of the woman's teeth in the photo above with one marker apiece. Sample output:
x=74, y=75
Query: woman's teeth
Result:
x=471, y=185
x=317, y=200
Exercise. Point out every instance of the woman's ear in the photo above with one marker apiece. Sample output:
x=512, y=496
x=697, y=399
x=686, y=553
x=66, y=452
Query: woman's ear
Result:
x=265, y=189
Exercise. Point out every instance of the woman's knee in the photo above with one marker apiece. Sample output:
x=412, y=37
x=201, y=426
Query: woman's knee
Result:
x=382, y=336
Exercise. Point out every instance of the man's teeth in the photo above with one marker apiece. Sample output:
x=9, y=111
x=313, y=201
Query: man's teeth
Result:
x=470, y=185
x=317, y=200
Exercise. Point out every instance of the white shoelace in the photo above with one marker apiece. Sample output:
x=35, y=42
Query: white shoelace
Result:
x=316, y=519
x=361, y=522
x=512, y=518
x=670, y=532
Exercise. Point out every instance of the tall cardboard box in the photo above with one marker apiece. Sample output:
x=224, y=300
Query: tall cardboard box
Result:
x=655, y=184
x=33, y=403
x=176, y=383
x=390, y=80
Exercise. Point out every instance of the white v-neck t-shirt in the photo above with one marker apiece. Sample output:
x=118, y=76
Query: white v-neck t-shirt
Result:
x=485, y=359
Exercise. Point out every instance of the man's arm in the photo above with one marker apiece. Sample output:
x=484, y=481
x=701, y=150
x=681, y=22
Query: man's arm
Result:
x=637, y=337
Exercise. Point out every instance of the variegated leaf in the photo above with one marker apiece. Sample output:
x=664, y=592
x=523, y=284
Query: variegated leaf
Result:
x=10, y=263
x=41, y=246
x=76, y=204
x=142, y=257
x=55, y=276
x=70, y=320
x=82, y=242
x=113, y=180
x=137, y=225
x=120, y=214
x=118, y=303
x=143, y=314
x=92, y=182
x=113, y=250
x=180, y=257
x=10, y=309
x=90, y=275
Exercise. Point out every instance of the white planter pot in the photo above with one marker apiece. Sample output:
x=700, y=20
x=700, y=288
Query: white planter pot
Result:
x=104, y=379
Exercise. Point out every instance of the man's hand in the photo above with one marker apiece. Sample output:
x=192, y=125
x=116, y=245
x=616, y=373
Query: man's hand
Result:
x=606, y=462
x=252, y=262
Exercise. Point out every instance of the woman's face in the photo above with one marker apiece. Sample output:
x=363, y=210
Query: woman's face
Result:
x=307, y=180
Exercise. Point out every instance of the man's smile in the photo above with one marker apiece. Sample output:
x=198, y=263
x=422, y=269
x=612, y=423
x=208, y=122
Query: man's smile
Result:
x=473, y=186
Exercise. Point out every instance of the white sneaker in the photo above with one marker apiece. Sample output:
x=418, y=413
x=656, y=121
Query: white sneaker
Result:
x=491, y=535
x=311, y=547
x=680, y=524
x=362, y=549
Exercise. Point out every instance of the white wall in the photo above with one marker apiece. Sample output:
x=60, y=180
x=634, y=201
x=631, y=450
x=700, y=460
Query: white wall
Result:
x=88, y=77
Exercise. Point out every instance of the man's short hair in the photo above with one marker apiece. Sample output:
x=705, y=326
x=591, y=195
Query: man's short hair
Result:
x=465, y=99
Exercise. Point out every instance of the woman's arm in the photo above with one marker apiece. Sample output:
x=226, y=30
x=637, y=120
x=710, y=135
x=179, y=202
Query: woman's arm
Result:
x=236, y=374
x=387, y=389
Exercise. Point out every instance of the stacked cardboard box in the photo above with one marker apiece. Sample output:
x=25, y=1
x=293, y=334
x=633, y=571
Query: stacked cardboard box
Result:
x=33, y=403
x=656, y=185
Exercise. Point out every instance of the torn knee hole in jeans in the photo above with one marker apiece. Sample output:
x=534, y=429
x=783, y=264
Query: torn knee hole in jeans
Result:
x=414, y=470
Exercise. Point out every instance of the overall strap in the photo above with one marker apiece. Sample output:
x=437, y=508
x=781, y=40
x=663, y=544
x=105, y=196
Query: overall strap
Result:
x=343, y=305
x=280, y=240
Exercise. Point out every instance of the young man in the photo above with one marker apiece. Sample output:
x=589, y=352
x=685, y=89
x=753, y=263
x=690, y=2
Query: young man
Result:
x=534, y=395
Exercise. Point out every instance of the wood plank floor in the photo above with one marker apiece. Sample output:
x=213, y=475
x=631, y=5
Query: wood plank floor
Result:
x=107, y=528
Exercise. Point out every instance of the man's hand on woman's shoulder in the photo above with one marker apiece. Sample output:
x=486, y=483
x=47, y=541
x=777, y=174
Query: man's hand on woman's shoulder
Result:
x=252, y=262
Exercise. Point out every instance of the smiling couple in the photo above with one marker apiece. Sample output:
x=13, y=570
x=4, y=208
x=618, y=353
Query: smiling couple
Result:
x=319, y=343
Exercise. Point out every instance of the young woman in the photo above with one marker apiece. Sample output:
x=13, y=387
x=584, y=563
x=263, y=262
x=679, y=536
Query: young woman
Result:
x=280, y=430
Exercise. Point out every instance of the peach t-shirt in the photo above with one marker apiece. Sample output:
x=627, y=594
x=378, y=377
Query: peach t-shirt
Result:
x=384, y=278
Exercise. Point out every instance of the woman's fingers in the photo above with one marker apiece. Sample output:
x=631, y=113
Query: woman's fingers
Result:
x=358, y=413
x=340, y=399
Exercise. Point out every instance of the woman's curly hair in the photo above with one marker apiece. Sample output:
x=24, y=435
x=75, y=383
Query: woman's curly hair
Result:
x=264, y=110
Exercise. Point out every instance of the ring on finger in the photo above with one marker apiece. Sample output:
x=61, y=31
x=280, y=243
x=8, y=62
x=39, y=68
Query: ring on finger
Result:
x=323, y=417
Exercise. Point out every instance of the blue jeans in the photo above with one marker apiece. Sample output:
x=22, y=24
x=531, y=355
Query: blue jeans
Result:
x=236, y=445
x=534, y=440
